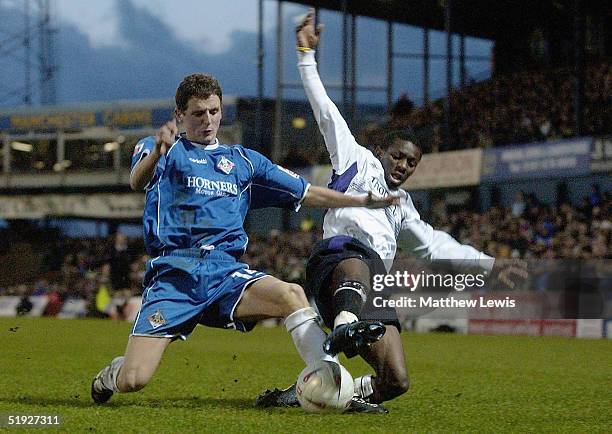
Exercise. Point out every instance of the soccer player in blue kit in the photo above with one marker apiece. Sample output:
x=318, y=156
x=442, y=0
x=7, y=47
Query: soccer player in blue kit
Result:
x=198, y=192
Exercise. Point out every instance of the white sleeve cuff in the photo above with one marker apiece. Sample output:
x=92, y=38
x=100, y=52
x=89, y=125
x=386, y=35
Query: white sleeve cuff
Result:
x=306, y=58
x=486, y=262
x=298, y=205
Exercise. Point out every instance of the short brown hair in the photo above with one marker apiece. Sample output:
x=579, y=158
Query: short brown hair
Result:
x=196, y=85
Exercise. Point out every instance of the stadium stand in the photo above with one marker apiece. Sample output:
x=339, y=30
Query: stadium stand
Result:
x=83, y=268
x=514, y=108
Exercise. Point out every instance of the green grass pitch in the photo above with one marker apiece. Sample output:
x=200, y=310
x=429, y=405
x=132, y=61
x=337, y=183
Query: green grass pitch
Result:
x=208, y=384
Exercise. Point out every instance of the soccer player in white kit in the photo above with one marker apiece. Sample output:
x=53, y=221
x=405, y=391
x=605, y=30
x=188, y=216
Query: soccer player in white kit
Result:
x=358, y=242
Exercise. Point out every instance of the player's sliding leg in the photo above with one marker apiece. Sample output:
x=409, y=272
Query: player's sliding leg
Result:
x=131, y=372
x=348, y=291
x=388, y=360
x=273, y=298
x=345, y=304
x=349, y=288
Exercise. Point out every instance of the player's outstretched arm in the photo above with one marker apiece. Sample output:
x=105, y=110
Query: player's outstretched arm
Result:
x=321, y=197
x=339, y=141
x=143, y=172
x=425, y=242
x=440, y=248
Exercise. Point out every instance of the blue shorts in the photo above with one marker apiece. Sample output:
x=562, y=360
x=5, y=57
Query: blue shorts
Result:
x=184, y=288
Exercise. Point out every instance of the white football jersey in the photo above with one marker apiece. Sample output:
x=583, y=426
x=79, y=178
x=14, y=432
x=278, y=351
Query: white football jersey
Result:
x=357, y=171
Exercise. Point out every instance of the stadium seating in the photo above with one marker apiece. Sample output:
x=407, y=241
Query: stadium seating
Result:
x=81, y=268
x=518, y=108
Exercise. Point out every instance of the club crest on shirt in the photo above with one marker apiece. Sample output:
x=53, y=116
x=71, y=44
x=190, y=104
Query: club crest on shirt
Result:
x=225, y=165
x=157, y=319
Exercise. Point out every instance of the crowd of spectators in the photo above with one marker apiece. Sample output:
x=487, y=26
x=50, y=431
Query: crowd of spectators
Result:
x=532, y=230
x=95, y=269
x=523, y=107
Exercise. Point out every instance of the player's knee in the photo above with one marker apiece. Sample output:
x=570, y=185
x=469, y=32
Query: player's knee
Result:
x=396, y=386
x=403, y=385
x=133, y=380
x=293, y=298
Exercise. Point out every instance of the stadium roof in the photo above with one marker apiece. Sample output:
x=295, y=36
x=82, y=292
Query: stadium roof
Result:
x=479, y=18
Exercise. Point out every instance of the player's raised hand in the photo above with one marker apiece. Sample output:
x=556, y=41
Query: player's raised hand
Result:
x=307, y=34
x=511, y=273
x=166, y=136
x=372, y=201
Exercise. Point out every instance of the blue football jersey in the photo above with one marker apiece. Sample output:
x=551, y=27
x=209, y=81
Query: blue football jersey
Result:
x=199, y=195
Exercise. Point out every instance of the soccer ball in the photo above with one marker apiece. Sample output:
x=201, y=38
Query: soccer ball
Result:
x=324, y=386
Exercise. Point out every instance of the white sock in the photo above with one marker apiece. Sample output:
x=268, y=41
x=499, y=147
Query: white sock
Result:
x=345, y=317
x=308, y=337
x=110, y=374
x=363, y=386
